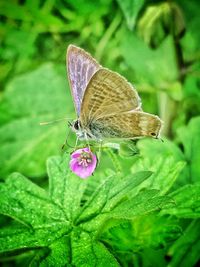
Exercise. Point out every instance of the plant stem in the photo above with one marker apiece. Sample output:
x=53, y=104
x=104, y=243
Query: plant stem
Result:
x=169, y=107
x=106, y=37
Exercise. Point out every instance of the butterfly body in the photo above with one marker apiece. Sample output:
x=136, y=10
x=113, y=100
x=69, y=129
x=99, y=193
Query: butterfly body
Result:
x=83, y=133
x=107, y=105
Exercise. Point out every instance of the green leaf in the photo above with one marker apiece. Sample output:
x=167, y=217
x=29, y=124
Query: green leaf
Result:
x=125, y=187
x=96, y=202
x=28, y=203
x=69, y=222
x=17, y=237
x=107, y=196
x=190, y=138
x=191, y=89
x=28, y=100
x=158, y=149
x=186, y=250
x=187, y=202
x=14, y=11
x=39, y=256
x=147, y=63
x=128, y=149
x=49, y=219
x=191, y=39
x=144, y=202
x=166, y=172
x=87, y=252
x=165, y=160
x=62, y=192
x=160, y=20
x=142, y=232
x=41, y=17
x=43, y=221
x=131, y=8
x=58, y=254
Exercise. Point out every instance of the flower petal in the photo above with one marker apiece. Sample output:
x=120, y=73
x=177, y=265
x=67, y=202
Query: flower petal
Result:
x=91, y=168
x=76, y=153
x=79, y=169
x=82, y=172
x=86, y=149
x=73, y=164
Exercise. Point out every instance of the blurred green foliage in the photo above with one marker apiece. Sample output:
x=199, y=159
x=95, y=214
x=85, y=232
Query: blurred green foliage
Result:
x=150, y=222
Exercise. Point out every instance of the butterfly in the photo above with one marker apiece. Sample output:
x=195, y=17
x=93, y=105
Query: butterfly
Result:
x=107, y=105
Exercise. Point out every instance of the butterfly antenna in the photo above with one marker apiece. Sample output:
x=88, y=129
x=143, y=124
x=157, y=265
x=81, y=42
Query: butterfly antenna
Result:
x=54, y=121
x=70, y=124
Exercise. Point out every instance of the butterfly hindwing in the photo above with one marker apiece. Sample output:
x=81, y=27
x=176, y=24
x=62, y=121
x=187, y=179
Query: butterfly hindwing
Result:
x=127, y=125
x=81, y=67
x=107, y=93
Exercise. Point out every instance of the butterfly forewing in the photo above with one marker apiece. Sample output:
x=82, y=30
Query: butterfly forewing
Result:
x=107, y=105
x=107, y=93
x=128, y=125
x=81, y=67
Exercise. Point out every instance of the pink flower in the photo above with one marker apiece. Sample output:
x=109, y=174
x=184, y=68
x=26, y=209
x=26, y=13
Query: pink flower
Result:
x=83, y=162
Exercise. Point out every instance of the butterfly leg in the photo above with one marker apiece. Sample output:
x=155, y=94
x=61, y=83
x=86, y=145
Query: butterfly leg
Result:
x=66, y=141
x=87, y=141
x=76, y=143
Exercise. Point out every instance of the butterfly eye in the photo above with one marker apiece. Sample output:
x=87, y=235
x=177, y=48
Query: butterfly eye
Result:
x=153, y=134
x=76, y=125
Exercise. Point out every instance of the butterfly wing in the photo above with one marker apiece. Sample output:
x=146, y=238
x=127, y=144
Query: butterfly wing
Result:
x=128, y=125
x=81, y=67
x=107, y=93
